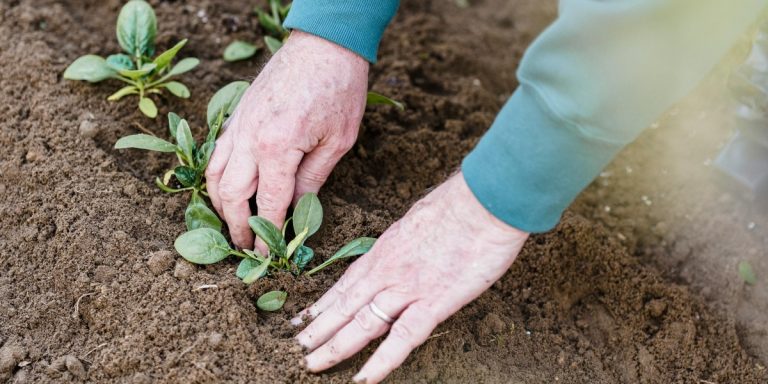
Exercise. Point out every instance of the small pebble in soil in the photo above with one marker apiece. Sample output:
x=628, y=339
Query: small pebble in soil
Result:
x=120, y=235
x=160, y=261
x=104, y=274
x=183, y=270
x=75, y=367
x=10, y=356
x=88, y=129
x=656, y=308
x=33, y=156
x=130, y=190
x=141, y=378
x=215, y=339
x=751, y=226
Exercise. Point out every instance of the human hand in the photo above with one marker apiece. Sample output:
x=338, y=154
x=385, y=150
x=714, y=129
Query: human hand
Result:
x=294, y=123
x=445, y=252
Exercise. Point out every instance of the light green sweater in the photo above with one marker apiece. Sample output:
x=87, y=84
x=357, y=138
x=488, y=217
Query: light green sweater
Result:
x=603, y=71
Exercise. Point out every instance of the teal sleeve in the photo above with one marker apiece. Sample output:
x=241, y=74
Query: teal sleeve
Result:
x=602, y=72
x=354, y=24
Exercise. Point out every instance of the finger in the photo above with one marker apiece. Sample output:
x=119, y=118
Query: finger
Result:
x=364, y=327
x=340, y=312
x=409, y=331
x=277, y=178
x=356, y=271
x=236, y=187
x=215, y=169
x=315, y=169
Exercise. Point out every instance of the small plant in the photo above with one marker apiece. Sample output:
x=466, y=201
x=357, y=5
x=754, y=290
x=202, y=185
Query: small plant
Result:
x=193, y=158
x=136, y=32
x=208, y=245
x=271, y=301
x=746, y=273
x=272, y=23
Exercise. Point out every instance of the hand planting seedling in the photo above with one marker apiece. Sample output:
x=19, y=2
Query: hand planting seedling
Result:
x=193, y=159
x=272, y=23
x=136, y=32
x=208, y=245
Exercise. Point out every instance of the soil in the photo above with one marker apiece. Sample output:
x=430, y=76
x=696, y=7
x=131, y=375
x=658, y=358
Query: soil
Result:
x=91, y=290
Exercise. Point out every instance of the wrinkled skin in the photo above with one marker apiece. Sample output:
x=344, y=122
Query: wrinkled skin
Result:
x=292, y=126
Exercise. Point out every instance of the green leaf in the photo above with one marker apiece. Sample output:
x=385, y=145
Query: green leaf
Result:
x=747, y=273
x=355, y=247
x=186, y=175
x=163, y=187
x=308, y=214
x=184, y=65
x=90, y=68
x=239, y=50
x=268, y=23
x=135, y=74
x=273, y=45
x=185, y=140
x=148, y=142
x=125, y=91
x=258, y=272
x=202, y=246
x=296, y=242
x=303, y=256
x=173, y=122
x=225, y=99
x=246, y=266
x=178, y=89
x=272, y=301
x=120, y=62
x=204, y=156
x=165, y=58
x=284, y=11
x=198, y=215
x=148, y=107
x=374, y=98
x=137, y=28
x=271, y=235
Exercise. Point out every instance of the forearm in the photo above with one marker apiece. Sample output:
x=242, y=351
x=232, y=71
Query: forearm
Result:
x=589, y=85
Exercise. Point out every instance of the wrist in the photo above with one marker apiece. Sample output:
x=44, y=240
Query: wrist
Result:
x=474, y=213
x=309, y=44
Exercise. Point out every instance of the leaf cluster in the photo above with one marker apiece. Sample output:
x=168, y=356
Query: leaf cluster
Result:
x=208, y=245
x=143, y=74
x=193, y=157
x=271, y=22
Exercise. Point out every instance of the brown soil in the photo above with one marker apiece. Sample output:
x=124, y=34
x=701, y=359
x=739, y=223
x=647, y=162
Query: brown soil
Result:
x=90, y=289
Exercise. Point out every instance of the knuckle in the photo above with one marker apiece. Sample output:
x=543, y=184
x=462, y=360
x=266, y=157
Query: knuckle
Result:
x=344, y=306
x=268, y=201
x=364, y=321
x=312, y=175
x=344, y=144
x=404, y=332
x=229, y=193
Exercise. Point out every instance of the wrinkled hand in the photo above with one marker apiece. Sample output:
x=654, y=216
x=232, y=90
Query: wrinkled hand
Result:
x=292, y=126
x=444, y=253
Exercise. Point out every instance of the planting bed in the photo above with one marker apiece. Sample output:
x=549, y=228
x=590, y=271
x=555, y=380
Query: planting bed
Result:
x=91, y=289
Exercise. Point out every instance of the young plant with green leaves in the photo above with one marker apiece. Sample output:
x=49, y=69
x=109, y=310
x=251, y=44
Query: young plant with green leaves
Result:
x=136, y=67
x=209, y=246
x=272, y=23
x=193, y=158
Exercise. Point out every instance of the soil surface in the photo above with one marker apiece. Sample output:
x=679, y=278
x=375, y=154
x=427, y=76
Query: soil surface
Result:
x=92, y=291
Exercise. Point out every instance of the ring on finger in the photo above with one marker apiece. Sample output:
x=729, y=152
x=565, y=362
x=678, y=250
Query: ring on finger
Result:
x=380, y=314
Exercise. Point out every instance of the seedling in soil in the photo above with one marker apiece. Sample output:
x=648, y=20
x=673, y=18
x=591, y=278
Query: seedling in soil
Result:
x=208, y=245
x=746, y=273
x=271, y=301
x=272, y=23
x=136, y=32
x=193, y=158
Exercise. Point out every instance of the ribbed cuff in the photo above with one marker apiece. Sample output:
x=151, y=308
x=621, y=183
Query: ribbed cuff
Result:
x=530, y=165
x=357, y=25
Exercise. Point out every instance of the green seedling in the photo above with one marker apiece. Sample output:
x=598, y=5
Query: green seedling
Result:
x=746, y=273
x=208, y=245
x=193, y=158
x=136, y=32
x=272, y=301
x=272, y=23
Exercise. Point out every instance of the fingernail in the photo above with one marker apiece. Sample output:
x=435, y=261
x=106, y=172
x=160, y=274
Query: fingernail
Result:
x=296, y=321
x=359, y=378
x=302, y=340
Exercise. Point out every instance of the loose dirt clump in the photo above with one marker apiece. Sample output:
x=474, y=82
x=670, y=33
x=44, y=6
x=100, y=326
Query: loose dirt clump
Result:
x=90, y=289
